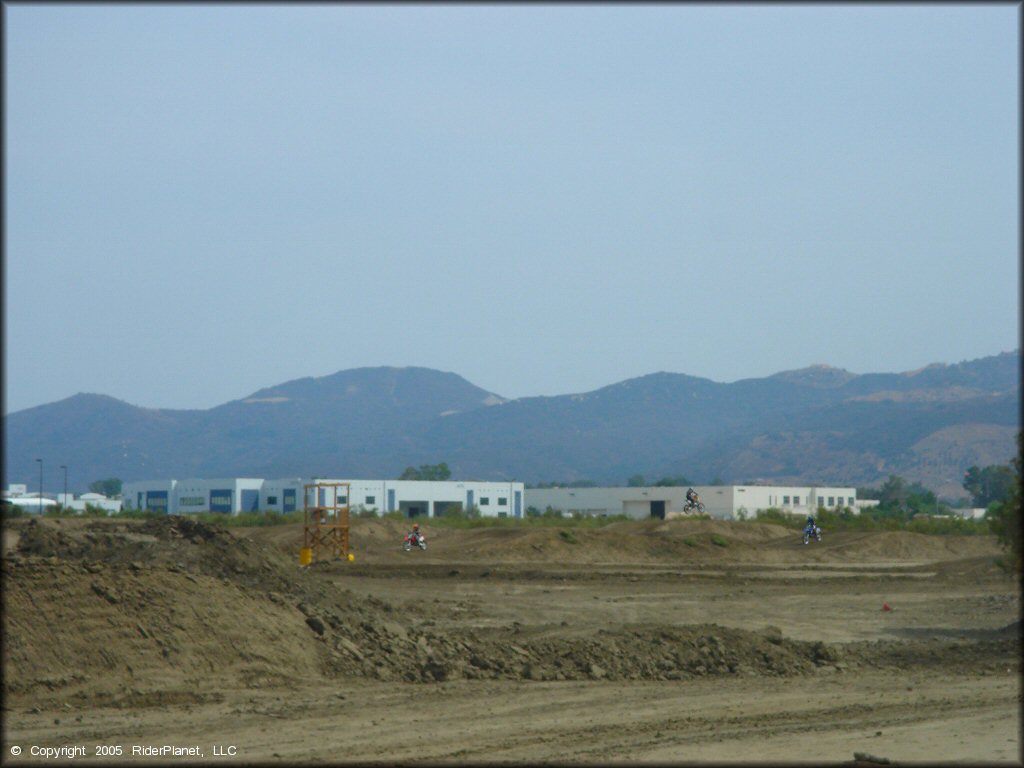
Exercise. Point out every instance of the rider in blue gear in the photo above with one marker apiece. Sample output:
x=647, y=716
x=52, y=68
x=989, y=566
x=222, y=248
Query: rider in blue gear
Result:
x=809, y=528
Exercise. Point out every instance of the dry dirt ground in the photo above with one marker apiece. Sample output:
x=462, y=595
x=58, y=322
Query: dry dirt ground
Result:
x=666, y=642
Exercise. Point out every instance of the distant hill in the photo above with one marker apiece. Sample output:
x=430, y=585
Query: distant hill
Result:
x=818, y=424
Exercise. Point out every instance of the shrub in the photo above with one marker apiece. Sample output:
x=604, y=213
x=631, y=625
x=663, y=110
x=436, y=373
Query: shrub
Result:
x=140, y=514
x=874, y=519
x=248, y=519
x=11, y=510
x=777, y=516
x=456, y=512
x=718, y=541
x=1004, y=517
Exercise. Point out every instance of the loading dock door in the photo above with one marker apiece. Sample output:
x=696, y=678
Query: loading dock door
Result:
x=658, y=509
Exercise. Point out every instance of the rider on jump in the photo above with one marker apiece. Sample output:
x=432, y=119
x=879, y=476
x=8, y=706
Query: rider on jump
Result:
x=692, y=497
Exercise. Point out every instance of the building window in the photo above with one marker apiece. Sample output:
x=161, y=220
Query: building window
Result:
x=271, y=499
x=785, y=499
x=850, y=501
x=831, y=501
x=502, y=501
x=371, y=499
x=485, y=500
x=821, y=501
x=796, y=501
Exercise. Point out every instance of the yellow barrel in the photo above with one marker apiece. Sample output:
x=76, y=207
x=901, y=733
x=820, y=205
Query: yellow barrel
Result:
x=305, y=556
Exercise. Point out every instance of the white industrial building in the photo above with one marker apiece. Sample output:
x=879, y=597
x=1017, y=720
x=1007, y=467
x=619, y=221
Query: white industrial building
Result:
x=410, y=497
x=95, y=500
x=233, y=495
x=724, y=502
x=17, y=495
x=154, y=495
x=30, y=502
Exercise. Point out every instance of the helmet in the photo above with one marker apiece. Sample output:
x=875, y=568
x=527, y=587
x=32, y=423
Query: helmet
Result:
x=415, y=526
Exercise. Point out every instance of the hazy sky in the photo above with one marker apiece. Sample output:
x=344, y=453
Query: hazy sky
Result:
x=204, y=201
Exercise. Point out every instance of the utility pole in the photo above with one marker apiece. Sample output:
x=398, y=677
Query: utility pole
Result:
x=65, y=504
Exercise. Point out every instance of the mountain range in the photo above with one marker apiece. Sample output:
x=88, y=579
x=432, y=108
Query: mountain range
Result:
x=814, y=425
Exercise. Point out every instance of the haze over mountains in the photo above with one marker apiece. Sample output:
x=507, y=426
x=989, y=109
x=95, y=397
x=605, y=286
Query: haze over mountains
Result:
x=815, y=425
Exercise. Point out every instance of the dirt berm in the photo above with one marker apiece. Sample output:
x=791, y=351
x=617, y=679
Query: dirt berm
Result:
x=121, y=611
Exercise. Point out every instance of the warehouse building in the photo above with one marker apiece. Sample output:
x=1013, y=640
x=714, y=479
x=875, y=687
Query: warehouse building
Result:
x=177, y=497
x=87, y=500
x=724, y=502
x=154, y=495
x=413, y=498
x=231, y=495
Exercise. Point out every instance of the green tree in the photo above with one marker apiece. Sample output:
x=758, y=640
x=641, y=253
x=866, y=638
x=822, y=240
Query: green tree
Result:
x=673, y=482
x=110, y=487
x=993, y=483
x=1004, y=517
x=894, y=493
x=427, y=472
x=921, y=501
x=636, y=481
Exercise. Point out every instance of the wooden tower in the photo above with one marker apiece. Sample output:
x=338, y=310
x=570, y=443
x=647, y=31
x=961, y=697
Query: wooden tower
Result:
x=326, y=507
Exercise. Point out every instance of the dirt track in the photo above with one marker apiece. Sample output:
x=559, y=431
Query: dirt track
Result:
x=639, y=642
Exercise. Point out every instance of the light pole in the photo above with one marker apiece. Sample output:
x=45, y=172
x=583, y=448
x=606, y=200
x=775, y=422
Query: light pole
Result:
x=40, y=485
x=65, y=504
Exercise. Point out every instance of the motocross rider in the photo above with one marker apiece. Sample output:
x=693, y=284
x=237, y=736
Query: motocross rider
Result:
x=810, y=524
x=692, y=497
x=415, y=535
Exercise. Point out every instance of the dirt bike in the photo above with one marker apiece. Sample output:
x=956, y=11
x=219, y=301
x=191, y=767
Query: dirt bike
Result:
x=812, y=532
x=690, y=506
x=414, y=540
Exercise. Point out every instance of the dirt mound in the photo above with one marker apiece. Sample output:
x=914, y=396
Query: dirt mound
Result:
x=682, y=541
x=123, y=635
x=639, y=542
x=177, y=543
x=129, y=612
x=903, y=545
x=656, y=653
